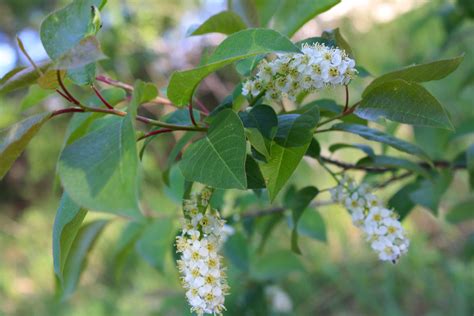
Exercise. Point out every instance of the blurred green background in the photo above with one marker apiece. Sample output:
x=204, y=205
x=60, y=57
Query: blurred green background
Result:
x=146, y=39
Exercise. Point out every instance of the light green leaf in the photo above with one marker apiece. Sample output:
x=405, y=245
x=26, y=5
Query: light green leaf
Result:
x=311, y=224
x=292, y=15
x=365, y=148
x=275, y=265
x=100, y=170
x=87, y=51
x=77, y=257
x=22, y=78
x=403, y=102
x=225, y=22
x=393, y=162
x=430, y=192
x=64, y=29
x=292, y=140
x=261, y=123
x=49, y=80
x=35, y=95
x=14, y=139
x=381, y=137
x=298, y=202
x=240, y=45
x=218, y=160
x=124, y=247
x=156, y=241
x=461, y=212
x=67, y=222
x=142, y=92
x=434, y=70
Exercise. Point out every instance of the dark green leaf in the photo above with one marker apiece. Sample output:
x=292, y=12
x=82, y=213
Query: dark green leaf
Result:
x=393, y=162
x=246, y=9
x=470, y=164
x=14, y=139
x=275, y=265
x=419, y=73
x=291, y=15
x=67, y=222
x=240, y=45
x=311, y=224
x=156, y=241
x=292, y=140
x=124, y=246
x=225, y=22
x=263, y=118
x=401, y=201
x=430, y=192
x=378, y=136
x=64, y=29
x=237, y=252
x=247, y=65
x=218, y=160
x=77, y=258
x=100, y=170
x=403, y=102
x=365, y=148
x=269, y=225
x=298, y=202
x=461, y=212
x=314, y=149
x=254, y=175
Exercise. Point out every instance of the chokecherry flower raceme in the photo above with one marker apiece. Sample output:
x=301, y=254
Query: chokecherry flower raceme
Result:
x=291, y=74
x=380, y=225
x=202, y=273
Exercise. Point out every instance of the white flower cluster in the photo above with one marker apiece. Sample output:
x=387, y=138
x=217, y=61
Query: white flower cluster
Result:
x=380, y=225
x=202, y=273
x=291, y=74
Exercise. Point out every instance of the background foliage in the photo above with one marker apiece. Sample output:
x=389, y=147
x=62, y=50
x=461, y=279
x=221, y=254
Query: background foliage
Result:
x=336, y=275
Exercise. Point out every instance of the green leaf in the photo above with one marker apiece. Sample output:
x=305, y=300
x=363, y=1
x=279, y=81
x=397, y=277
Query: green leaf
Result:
x=49, y=80
x=403, y=102
x=87, y=51
x=67, y=222
x=434, y=70
x=240, y=45
x=100, y=170
x=245, y=66
x=77, y=257
x=246, y=9
x=314, y=149
x=22, y=78
x=35, y=95
x=430, y=192
x=470, y=164
x=292, y=140
x=225, y=22
x=292, y=15
x=298, y=202
x=218, y=160
x=14, y=139
x=381, y=137
x=142, y=92
x=156, y=241
x=254, y=175
x=461, y=212
x=124, y=247
x=275, y=265
x=237, y=252
x=401, y=201
x=269, y=225
x=311, y=224
x=261, y=123
x=64, y=29
x=365, y=148
x=393, y=162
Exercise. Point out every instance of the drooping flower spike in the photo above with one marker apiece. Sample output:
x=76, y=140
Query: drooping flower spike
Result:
x=202, y=273
x=381, y=226
x=290, y=74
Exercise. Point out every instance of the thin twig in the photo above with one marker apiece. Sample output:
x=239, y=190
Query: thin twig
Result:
x=65, y=90
x=157, y=132
x=393, y=179
x=280, y=209
x=347, y=98
x=191, y=114
x=102, y=99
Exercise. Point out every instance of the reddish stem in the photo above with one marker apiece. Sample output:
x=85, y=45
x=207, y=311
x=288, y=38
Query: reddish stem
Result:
x=63, y=95
x=202, y=107
x=191, y=114
x=160, y=131
x=70, y=97
x=68, y=110
x=104, y=101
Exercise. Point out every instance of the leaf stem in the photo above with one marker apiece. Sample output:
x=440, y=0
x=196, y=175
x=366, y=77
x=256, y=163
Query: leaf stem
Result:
x=65, y=90
x=191, y=113
x=102, y=99
x=344, y=113
x=347, y=98
x=160, y=131
x=258, y=97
